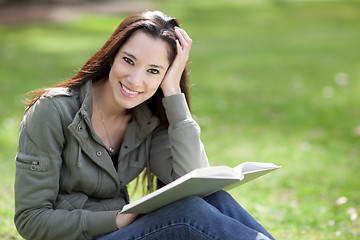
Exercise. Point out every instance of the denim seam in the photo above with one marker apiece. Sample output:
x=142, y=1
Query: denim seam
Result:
x=173, y=225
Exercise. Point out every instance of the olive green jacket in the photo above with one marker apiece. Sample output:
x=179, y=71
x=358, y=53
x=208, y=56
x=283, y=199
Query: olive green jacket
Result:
x=66, y=185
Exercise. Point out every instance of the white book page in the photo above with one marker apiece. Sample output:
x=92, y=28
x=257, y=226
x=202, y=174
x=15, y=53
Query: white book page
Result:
x=250, y=167
x=215, y=172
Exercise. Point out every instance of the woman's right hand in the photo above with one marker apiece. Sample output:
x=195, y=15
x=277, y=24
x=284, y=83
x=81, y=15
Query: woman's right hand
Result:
x=124, y=219
x=171, y=82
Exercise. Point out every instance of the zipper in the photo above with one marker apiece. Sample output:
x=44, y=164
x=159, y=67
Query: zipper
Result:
x=34, y=165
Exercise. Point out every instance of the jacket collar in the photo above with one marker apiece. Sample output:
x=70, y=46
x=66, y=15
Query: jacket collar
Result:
x=86, y=99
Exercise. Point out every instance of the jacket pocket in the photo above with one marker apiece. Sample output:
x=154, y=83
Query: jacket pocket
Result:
x=31, y=163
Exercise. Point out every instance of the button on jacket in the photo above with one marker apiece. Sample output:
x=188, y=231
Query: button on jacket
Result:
x=66, y=185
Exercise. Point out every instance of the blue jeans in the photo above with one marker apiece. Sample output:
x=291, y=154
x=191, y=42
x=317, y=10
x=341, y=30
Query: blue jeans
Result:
x=217, y=216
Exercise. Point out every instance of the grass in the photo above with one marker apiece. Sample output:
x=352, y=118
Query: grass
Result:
x=273, y=81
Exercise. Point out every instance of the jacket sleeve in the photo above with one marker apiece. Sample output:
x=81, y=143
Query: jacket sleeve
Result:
x=177, y=150
x=38, y=167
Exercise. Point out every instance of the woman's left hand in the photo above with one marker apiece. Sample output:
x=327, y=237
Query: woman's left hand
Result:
x=171, y=82
x=122, y=220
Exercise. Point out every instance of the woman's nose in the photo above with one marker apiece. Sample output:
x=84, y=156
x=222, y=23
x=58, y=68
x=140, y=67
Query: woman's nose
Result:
x=135, y=77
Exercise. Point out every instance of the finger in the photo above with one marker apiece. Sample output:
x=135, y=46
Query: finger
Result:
x=183, y=37
x=179, y=49
x=179, y=36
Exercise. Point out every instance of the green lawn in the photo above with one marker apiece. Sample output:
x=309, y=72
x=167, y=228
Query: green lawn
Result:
x=273, y=81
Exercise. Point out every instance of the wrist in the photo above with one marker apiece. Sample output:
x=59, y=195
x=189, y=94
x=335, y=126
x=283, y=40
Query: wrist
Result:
x=171, y=91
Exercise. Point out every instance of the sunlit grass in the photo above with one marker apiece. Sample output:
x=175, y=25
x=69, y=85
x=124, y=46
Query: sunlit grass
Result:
x=272, y=81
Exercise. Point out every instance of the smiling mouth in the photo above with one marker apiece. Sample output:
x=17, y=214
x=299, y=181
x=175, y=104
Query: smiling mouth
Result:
x=128, y=91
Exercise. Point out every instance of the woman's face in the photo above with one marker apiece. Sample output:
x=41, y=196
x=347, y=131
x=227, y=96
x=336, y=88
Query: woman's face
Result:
x=138, y=69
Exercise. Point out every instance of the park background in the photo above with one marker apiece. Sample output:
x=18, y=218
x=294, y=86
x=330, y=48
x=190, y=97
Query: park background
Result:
x=272, y=81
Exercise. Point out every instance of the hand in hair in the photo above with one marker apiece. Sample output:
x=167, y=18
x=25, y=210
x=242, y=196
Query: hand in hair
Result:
x=171, y=82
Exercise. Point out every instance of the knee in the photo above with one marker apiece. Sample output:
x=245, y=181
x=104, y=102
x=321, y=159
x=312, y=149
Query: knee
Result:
x=221, y=195
x=222, y=200
x=192, y=205
x=191, y=202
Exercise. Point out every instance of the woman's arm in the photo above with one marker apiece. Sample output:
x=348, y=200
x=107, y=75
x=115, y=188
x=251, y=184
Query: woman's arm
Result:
x=38, y=167
x=177, y=150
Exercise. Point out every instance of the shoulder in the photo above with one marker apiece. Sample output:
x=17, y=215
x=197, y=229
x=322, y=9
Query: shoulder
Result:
x=64, y=99
x=57, y=92
x=54, y=103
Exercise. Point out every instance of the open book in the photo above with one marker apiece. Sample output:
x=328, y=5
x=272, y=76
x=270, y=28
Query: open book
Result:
x=200, y=182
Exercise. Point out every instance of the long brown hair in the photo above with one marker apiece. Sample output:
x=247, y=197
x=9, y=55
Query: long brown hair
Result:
x=155, y=23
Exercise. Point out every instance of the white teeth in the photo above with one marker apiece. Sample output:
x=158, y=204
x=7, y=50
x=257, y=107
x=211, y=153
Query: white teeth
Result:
x=128, y=91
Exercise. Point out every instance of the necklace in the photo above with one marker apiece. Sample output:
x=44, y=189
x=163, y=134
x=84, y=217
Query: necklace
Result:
x=111, y=148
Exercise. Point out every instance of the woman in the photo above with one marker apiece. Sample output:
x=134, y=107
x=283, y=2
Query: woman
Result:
x=82, y=141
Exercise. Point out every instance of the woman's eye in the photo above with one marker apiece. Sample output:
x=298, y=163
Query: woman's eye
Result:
x=153, y=71
x=128, y=60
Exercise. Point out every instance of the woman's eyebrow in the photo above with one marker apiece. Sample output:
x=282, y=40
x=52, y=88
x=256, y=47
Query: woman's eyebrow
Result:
x=129, y=55
x=157, y=66
x=151, y=65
